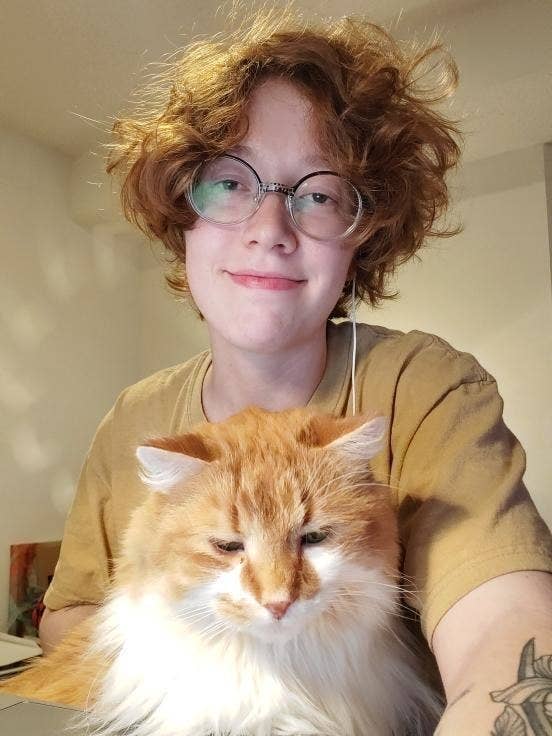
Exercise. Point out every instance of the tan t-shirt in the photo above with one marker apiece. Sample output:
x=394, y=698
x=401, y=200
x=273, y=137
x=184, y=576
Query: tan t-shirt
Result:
x=454, y=468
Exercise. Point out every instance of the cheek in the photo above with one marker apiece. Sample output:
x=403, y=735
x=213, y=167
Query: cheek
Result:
x=197, y=260
x=333, y=268
x=231, y=599
x=236, y=599
x=236, y=612
x=202, y=261
x=323, y=565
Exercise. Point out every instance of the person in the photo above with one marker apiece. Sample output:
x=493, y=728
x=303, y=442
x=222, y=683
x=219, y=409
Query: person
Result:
x=282, y=167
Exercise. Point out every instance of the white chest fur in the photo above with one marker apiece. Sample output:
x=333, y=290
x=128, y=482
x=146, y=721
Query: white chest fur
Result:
x=338, y=678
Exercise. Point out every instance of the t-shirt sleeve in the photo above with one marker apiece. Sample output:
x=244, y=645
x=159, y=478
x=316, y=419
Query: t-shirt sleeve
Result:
x=464, y=512
x=83, y=570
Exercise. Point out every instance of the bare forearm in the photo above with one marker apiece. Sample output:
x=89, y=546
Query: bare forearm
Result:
x=55, y=625
x=505, y=686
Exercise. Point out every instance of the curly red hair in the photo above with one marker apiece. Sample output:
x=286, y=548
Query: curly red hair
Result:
x=377, y=126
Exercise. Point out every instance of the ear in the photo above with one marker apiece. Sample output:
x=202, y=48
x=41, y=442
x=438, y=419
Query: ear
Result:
x=363, y=442
x=360, y=437
x=162, y=470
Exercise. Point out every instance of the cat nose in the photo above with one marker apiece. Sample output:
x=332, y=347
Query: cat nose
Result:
x=278, y=608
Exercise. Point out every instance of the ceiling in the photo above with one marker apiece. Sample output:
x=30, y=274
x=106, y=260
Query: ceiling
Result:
x=67, y=67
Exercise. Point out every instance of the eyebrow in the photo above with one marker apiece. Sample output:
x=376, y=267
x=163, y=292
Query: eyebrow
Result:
x=315, y=160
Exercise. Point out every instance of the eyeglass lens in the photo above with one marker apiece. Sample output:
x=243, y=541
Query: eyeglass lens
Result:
x=226, y=191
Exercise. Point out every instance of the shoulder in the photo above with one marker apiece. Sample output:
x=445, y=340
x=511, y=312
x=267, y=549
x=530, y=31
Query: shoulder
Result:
x=163, y=382
x=414, y=356
x=421, y=354
x=152, y=402
x=148, y=408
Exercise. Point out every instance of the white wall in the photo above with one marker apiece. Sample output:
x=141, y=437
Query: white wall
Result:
x=68, y=341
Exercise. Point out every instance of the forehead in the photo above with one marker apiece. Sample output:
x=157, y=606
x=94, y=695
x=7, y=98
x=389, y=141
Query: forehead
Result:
x=266, y=495
x=282, y=129
x=275, y=487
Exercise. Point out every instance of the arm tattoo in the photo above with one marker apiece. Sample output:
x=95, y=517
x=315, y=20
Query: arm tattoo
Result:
x=528, y=710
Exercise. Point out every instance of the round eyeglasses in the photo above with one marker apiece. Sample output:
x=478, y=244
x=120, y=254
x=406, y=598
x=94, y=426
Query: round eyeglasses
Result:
x=322, y=205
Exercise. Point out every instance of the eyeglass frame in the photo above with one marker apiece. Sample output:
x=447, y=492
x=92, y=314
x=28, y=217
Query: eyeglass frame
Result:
x=289, y=192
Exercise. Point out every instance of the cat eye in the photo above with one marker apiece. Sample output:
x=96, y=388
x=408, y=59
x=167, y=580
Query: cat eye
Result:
x=227, y=546
x=314, y=537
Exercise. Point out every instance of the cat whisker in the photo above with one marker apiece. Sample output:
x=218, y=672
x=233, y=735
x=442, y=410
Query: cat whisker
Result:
x=370, y=484
x=360, y=600
x=407, y=580
x=194, y=618
x=338, y=478
x=363, y=581
x=213, y=631
x=385, y=627
x=365, y=585
x=321, y=467
x=362, y=593
x=196, y=611
x=398, y=589
x=214, y=626
x=313, y=480
x=196, y=621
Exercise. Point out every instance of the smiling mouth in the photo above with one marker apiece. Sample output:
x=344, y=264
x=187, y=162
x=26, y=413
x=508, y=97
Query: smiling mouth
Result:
x=269, y=282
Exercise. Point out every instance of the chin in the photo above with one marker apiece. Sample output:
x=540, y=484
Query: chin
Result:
x=257, y=334
x=256, y=340
x=302, y=616
x=274, y=632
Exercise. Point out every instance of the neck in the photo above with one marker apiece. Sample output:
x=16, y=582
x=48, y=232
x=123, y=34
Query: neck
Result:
x=238, y=378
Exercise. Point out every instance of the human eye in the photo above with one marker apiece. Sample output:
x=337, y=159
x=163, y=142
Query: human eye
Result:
x=318, y=193
x=314, y=201
x=228, y=185
x=231, y=184
x=320, y=198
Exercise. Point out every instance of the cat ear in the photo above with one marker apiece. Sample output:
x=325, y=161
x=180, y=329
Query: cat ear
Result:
x=363, y=442
x=359, y=437
x=162, y=470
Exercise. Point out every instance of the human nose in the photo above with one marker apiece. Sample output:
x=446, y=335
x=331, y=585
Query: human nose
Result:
x=271, y=226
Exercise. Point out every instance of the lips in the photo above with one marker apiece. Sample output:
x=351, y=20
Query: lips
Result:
x=265, y=280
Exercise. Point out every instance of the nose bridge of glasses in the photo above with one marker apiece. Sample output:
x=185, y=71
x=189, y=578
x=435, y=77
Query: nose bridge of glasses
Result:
x=276, y=187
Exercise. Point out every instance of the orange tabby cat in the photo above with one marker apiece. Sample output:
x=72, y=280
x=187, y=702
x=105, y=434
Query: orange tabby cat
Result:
x=255, y=594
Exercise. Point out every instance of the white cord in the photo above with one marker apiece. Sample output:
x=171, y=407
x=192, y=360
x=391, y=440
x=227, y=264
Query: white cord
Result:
x=354, y=350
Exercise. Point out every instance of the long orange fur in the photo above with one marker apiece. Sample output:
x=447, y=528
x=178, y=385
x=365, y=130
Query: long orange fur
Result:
x=249, y=455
